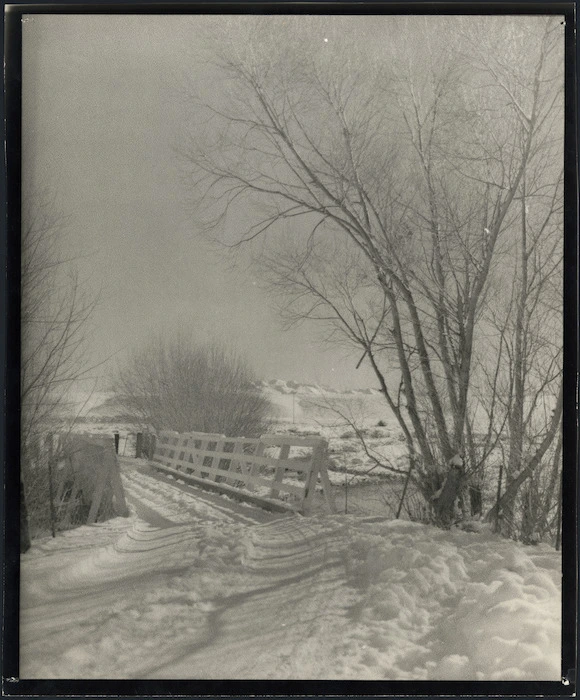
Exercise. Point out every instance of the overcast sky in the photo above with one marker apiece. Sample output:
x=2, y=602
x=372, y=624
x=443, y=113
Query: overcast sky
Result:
x=103, y=110
x=106, y=109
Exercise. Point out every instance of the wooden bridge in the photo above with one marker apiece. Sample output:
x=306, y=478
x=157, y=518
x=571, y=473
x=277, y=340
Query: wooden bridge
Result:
x=279, y=472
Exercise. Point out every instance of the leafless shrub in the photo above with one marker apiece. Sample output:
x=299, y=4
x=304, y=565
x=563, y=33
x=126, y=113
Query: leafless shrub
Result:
x=55, y=317
x=174, y=383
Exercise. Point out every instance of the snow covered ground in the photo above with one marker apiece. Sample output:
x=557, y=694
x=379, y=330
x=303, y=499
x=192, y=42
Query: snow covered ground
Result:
x=192, y=585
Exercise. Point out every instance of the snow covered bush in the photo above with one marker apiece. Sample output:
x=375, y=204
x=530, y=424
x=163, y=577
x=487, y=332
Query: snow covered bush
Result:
x=174, y=383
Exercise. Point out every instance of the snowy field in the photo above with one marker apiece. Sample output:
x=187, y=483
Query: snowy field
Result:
x=195, y=586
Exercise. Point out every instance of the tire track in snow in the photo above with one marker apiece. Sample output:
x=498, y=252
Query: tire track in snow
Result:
x=279, y=593
x=264, y=632
x=178, y=502
x=70, y=606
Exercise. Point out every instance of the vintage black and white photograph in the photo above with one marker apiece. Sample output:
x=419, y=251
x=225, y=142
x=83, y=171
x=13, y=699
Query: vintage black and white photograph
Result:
x=292, y=346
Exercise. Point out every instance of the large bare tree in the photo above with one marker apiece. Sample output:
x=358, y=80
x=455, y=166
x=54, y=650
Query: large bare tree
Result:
x=420, y=165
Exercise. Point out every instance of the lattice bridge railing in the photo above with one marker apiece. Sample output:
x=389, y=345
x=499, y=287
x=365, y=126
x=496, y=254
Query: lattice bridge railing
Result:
x=276, y=471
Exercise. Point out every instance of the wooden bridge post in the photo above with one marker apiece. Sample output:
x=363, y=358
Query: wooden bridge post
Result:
x=325, y=481
x=280, y=469
x=317, y=456
x=254, y=467
x=111, y=468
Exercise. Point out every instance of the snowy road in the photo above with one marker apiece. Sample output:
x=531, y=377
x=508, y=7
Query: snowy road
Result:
x=269, y=629
x=71, y=602
x=212, y=589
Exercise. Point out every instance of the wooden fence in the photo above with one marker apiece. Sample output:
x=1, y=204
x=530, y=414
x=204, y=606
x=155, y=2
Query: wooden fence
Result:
x=279, y=472
x=69, y=479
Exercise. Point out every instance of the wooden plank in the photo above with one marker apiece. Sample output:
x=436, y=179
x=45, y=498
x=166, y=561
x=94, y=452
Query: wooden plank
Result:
x=62, y=475
x=326, y=485
x=194, y=464
x=236, y=464
x=98, y=492
x=119, y=503
x=264, y=461
x=203, y=436
x=75, y=474
x=287, y=488
x=255, y=466
x=279, y=506
x=68, y=506
x=238, y=461
x=215, y=463
x=202, y=454
x=280, y=470
x=317, y=460
x=248, y=479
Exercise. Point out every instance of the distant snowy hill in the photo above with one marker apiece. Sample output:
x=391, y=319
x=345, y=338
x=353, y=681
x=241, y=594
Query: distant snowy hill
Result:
x=290, y=387
x=307, y=403
x=292, y=402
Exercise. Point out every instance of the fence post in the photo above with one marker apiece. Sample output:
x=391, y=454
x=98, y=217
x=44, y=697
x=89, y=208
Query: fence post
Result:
x=317, y=461
x=111, y=467
x=255, y=468
x=325, y=481
x=139, y=446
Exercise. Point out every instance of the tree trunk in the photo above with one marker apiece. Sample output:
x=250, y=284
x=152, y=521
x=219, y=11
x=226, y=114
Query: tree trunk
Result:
x=557, y=544
x=407, y=479
x=546, y=505
x=498, y=498
x=475, y=500
x=516, y=413
x=505, y=503
x=444, y=504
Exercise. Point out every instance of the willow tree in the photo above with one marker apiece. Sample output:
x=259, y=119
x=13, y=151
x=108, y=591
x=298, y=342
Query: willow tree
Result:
x=416, y=162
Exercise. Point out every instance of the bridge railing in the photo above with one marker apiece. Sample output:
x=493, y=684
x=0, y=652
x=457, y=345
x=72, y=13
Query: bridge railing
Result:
x=276, y=471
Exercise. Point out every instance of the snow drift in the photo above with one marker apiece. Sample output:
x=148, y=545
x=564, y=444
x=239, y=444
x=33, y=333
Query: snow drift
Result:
x=215, y=595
